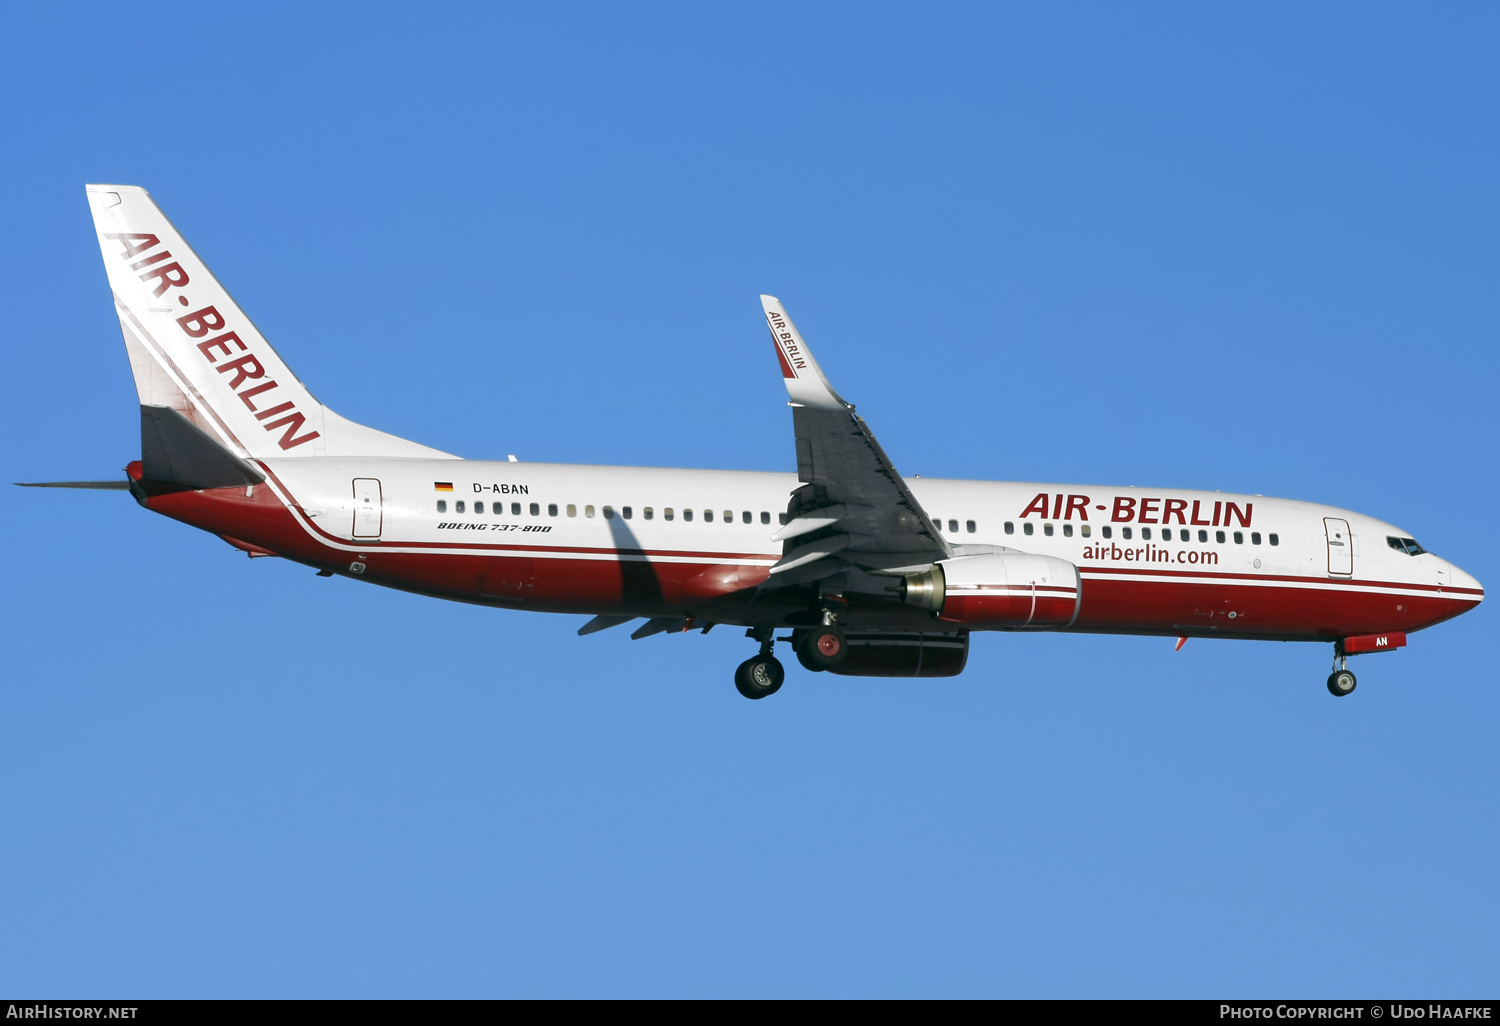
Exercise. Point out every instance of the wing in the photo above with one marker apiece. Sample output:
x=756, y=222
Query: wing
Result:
x=853, y=509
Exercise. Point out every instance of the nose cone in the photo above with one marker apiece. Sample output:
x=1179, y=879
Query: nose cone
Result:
x=1466, y=584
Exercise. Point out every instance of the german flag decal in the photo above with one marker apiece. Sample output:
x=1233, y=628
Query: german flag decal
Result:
x=442, y=486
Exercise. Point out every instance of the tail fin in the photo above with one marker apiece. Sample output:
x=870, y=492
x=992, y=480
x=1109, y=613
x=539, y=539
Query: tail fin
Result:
x=192, y=348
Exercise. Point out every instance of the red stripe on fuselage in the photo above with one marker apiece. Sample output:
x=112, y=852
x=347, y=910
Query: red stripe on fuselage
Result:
x=554, y=579
x=1287, y=579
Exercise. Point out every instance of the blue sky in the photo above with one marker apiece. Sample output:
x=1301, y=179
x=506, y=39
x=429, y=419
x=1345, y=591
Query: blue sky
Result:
x=1248, y=247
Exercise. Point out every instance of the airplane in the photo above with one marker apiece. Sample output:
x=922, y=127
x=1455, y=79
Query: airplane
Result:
x=868, y=572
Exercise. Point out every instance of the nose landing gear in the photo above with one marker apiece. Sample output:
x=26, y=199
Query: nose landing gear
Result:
x=1341, y=681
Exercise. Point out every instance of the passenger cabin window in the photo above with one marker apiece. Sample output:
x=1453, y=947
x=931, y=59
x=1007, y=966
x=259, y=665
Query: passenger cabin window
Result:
x=536, y=509
x=1273, y=539
x=1047, y=530
x=1239, y=537
x=515, y=509
x=1254, y=537
x=1125, y=533
x=572, y=510
x=747, y=517
x=1406, y=545
x=1010, y=528
x=626, y=512
x=458, y=507
x=609, y=512
x=588, y=511
x=765, y=517
x=478, y=507
x=1028, y=528
x=687, y=514
x=1085, y=530
x=1067, y=530
x=668, y=513
x=729, y=516
x=1145, y=533
x=1203, y=536
x=782, y=518
x=1107, y=531
x=969, y=526
x=648, y=512
x=443, y=508
x=552, y=509
x=1219, y=537
x=708, y=516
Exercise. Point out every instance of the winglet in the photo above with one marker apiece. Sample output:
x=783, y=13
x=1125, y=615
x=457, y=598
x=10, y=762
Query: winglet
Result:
x=805, y=382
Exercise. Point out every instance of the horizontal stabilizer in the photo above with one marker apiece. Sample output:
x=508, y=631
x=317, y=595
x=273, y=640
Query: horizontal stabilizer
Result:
x=659, y=625
x=111, y=486
x=175, y=451
x=603, y=622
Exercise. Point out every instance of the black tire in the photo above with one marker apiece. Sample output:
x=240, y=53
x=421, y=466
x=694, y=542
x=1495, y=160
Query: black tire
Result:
x=808, y=665
x=759, y=677
x=823, y=648
x=1341, y=683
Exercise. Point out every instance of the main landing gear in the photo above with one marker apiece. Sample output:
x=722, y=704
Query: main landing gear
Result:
x=1341, y=681
x=821, y=648
x=818, y=648
x=760, y=675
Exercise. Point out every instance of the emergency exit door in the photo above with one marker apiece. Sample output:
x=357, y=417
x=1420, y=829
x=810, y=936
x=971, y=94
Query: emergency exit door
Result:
x=1340, y=547
x=366, y=507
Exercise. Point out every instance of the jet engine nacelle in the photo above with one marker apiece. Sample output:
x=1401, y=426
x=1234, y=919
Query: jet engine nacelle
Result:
x=904, y=654
x=1002, y=591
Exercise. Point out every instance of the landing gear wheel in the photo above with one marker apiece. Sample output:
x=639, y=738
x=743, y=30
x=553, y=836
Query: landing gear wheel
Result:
x=1340, y=683
x=759, y=676
x=822, y=648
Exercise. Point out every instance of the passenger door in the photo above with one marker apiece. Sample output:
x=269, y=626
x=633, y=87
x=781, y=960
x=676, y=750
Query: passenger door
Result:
x=367, y=513
x=1340, y=550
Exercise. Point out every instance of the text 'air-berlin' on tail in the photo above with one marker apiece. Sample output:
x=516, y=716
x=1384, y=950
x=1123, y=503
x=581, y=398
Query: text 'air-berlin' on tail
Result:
x=192, y=349
x=871, y=574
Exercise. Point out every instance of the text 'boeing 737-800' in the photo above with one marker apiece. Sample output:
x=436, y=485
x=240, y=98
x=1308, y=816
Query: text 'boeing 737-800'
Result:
x=871, y=574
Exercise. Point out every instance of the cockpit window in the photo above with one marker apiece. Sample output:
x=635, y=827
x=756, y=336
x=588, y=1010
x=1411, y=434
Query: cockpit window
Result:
x=1406, y=545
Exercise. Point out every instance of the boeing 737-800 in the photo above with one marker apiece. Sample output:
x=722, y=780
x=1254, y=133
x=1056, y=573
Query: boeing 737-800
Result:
x=868, y=573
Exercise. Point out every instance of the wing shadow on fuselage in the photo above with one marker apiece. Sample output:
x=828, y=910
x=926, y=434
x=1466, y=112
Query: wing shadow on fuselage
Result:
x=640, y=586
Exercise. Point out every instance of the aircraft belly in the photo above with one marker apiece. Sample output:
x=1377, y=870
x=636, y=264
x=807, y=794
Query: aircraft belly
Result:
x=1287, y=608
